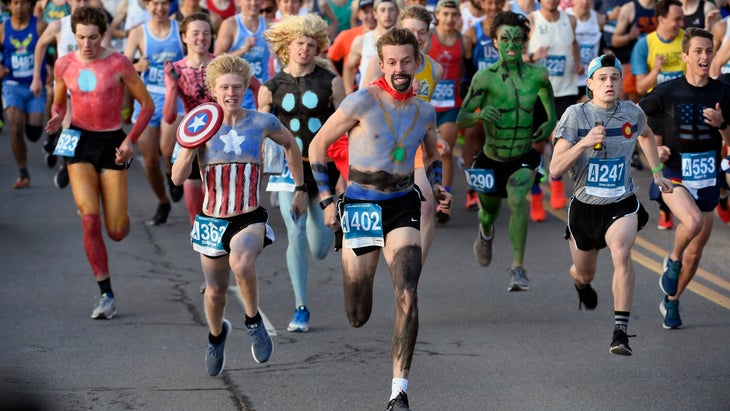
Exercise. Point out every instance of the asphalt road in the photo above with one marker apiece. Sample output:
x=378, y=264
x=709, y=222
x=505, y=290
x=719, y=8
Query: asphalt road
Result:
x=479, y=347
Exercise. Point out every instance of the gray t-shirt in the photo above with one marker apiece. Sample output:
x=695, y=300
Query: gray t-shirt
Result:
x=603, y=176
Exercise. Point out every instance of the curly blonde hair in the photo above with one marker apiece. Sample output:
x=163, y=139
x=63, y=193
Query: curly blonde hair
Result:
x=281, y=34
x=227, y=64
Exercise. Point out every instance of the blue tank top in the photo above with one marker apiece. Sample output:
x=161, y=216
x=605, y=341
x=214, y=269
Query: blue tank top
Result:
x=18, y=47
x=484, y=52
x=158, y=51
x=258, y=56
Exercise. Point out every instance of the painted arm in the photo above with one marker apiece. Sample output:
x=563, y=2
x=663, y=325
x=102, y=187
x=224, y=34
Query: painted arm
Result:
x=169, y=110
x=548, y=101
x=475, y=97
x=59, y=106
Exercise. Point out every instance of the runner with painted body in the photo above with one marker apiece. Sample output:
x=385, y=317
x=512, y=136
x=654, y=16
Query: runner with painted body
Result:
x=507, y=155
x=386, y=125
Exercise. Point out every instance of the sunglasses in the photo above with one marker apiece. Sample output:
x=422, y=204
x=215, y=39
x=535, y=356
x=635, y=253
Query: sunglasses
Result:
x=267, y=10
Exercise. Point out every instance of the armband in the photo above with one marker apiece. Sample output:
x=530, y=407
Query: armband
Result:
x=319, y=171
x=434, y=172
x=326, y=202
x=660, y=167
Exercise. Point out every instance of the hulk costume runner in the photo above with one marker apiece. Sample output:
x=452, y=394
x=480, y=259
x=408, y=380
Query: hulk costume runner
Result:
x=503, y=97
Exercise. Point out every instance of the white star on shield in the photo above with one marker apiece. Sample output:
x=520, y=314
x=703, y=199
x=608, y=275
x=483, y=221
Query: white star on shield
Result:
x=198, y=122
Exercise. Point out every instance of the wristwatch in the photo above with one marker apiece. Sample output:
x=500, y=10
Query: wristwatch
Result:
x=327, y=201
x=723, y=126
x=302, y=187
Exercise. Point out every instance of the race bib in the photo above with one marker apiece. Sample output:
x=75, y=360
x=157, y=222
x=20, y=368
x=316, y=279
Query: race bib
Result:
x=362, y=225
x=480, y=180
x=207, y=235
x=281, y=182
x=699, y=169
x=587, y=53
x=555, y=65
x=606, y=177
x=67, y=142
x=444, y=94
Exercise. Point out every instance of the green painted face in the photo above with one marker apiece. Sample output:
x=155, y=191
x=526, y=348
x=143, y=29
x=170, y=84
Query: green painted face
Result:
x=510, y=40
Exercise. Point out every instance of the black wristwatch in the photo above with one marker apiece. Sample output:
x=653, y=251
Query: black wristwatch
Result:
x=327, y=201
x=302, y=187
x=723, y=126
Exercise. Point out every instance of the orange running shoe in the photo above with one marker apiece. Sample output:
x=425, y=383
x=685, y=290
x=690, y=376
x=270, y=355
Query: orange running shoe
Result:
x=537, y=212
x=472, y=201
x=723, y=210
x=557, y=198
x=665, y=221
x=22, y=182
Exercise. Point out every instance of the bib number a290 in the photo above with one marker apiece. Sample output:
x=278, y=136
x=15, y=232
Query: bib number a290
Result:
x=362, y=225
x=480, y=180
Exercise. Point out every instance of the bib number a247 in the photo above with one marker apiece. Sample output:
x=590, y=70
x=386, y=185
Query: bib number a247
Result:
x=362, y=225
x=606, y=177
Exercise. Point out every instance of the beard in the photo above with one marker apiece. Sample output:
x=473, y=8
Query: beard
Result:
x=404, y=87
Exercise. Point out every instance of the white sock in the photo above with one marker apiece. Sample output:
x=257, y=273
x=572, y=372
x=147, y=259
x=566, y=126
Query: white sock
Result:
x=398, y=385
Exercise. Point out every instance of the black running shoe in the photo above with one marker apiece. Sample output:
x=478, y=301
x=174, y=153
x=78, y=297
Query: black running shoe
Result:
x=620, y=343
x=160, y=217
x=399, y=403
x=587, y=297
x=60, y=180
x=176, y=192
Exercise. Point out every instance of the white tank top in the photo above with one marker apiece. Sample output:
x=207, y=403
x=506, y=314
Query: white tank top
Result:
x=368, y=51
x=588, y=34
x=559, y=37
x=66, y=39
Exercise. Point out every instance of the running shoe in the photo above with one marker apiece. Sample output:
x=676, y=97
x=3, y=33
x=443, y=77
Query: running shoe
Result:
x=442, y=217
x=22, y=182
x=106, y=308
x=665, y=221
x=261, y=344
x=176, y=191
x=399, y=403
x=557, y=198
x=215, y=355
x=537, y=212
x=300, y=322
x=483, y=247
x=670, y=312
x=620, y=343
x=48, y=148
x=472, y=201
x=723, y=210
x=670, y=278
x=636, y=161
x=518, y=279
x=60, y=180
x=160, y=217
x=587, y=297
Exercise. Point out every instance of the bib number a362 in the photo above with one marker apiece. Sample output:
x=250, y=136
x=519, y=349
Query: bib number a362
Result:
x=207, y=235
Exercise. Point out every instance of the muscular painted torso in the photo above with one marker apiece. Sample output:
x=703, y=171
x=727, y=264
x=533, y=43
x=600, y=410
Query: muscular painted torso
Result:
x=514, y=95
x=382, y=146
x=96, y=90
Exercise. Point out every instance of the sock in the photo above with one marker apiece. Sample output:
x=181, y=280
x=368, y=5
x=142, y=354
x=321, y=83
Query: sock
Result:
x=105, y=287
x=398, y=385
x=215, y=340
x=535, y=190
x=24, y=172
x=622, y=320
x=251, y=321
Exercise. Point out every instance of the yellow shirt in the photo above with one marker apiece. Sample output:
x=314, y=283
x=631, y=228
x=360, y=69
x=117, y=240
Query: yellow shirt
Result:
x=673, y=66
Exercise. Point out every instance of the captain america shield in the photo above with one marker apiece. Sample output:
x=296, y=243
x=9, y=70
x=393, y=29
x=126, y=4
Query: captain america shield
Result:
x=199, y=125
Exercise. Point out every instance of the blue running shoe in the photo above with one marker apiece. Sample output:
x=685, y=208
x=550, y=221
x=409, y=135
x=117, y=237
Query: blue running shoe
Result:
x=300, y=323
x=670, y=278
x=670, y=311
x=261, y=344
x=215, y=355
